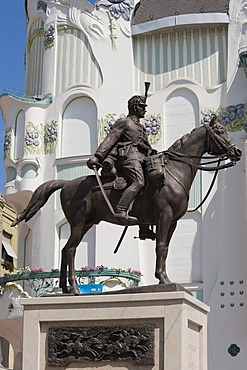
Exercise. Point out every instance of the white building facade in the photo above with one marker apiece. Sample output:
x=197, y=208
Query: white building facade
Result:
x=83, y=63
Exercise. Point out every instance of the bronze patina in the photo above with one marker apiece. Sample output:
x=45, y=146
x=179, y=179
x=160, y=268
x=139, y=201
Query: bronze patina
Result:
x=161, y=205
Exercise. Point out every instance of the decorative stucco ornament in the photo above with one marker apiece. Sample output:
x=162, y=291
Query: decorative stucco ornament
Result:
x=49, y=36
x=112, y=26
x=50, y=137
x=233, y=117
x=117, y=8
x=42, y=5
x=63, y=2
x=151, y=122
x=7, y=142
x=237, y=37
x=105, y=124
x=33, y=139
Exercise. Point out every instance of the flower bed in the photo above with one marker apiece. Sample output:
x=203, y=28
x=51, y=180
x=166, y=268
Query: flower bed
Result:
x=40, y=282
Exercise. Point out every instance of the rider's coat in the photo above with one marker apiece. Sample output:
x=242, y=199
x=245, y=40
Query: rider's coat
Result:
x=131, y=140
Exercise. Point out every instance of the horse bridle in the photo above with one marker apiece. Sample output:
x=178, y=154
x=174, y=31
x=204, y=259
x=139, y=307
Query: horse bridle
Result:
x=220, y=144
x=173, y=155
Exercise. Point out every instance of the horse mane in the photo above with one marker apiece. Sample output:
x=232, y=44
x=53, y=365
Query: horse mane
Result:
x=178, y=144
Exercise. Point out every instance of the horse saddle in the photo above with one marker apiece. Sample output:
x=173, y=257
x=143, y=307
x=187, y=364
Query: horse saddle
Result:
x=119, y=183
x=155, y=169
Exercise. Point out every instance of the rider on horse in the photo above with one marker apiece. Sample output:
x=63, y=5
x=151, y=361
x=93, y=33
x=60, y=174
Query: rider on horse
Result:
x=129, y=139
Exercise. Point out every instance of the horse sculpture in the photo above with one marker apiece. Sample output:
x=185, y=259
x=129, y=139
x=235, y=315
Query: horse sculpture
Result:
x=162, y=206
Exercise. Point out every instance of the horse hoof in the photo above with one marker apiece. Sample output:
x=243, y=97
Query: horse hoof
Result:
x=74, y=291
x=65, y=290
x=165, y=281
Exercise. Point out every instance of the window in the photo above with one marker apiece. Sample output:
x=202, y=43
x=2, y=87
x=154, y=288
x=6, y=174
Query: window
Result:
x=19, y=135
x=79, y=128
x=8, y=253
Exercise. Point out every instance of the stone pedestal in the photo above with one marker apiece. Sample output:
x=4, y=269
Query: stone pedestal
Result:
x=146, y=331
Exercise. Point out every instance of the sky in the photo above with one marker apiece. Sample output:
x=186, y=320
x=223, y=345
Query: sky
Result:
x=12, y=46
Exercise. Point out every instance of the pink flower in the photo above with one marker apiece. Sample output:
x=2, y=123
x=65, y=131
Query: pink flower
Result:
x=37, y=270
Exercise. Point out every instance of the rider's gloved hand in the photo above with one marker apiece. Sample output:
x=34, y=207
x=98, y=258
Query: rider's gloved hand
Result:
x=93, y=161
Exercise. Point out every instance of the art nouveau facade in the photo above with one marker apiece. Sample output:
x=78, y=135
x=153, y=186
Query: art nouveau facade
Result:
x=83, y=62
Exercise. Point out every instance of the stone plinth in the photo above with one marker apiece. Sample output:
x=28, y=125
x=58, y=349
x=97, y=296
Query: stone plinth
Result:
x=146, y=331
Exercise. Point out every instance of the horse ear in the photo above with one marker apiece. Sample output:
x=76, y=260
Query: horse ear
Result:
x=213, y=120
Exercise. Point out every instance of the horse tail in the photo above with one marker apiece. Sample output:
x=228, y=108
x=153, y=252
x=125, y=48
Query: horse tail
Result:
x=38, y=199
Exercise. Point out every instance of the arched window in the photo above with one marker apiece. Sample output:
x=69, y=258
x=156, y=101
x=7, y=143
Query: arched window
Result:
x=29, y=171
x=19, y=135
x=182, y=116
x=79, y=128
x=10, y=174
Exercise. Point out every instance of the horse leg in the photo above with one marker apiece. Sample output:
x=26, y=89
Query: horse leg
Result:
x=78, y=232
x=164, y=233
x=169, y=236
x=68, y=257
x=63, y=270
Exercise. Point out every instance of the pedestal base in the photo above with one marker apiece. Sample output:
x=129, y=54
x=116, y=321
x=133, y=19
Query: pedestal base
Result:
x=147, y=331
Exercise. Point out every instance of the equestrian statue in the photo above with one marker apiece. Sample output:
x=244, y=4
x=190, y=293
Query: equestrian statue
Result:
x=137, y=185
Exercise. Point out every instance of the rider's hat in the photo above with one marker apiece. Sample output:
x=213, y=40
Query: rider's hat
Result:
x=138, y=99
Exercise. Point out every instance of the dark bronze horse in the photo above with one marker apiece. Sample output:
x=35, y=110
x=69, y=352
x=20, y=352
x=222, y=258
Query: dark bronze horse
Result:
x=84, y=205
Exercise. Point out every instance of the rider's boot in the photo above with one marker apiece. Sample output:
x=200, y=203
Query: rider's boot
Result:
x=123, y=207
x=122, y=216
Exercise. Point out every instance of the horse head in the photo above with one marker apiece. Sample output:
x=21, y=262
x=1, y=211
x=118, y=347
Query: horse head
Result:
x=219, y=143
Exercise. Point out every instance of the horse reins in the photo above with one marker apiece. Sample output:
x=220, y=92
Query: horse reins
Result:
x=177, y=156
x=208, y=192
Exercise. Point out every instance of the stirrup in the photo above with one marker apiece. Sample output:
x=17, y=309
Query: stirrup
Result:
x=124, y=218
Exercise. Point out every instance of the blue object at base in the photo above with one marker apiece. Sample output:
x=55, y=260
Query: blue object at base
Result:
x=90, y=288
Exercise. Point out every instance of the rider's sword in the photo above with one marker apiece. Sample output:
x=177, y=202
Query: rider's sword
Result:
x=102, y=189
x=109, y=205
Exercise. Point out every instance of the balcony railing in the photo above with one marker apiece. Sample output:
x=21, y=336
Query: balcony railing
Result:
x=40, y=283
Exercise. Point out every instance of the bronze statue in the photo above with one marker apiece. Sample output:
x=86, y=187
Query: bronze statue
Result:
x=161, y=205
x=129, y=142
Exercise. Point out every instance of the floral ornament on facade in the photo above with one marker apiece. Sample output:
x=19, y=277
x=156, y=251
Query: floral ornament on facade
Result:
x=233, y=117
x=50, y=137
x=7, y=142
x=207, y=118
x=117, y=8
x=152, y=124
x=49, y=36
x=109, y=125
x=33, y=138
x=105, y=125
